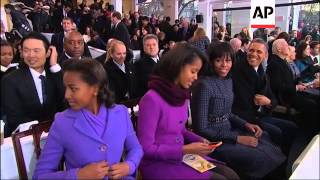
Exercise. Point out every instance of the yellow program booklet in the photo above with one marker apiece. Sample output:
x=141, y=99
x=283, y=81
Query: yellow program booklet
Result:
x=197, y=162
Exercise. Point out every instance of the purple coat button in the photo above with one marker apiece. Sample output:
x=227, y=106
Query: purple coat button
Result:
x=103, y=148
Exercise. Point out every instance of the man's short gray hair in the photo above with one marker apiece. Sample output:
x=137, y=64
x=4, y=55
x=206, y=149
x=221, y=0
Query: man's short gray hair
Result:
x=276, y=44
x=149, y=36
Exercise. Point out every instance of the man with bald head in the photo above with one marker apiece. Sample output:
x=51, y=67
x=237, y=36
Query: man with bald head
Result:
x=235, y=44
x=73, y=46
x=287, y=91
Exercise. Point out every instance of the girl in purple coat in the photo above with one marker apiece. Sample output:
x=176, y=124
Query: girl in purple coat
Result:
x=163, y=112
x=93, y=133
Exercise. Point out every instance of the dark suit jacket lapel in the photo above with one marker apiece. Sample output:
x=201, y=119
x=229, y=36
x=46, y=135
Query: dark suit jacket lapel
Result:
x=50, y=88
x=116, y=69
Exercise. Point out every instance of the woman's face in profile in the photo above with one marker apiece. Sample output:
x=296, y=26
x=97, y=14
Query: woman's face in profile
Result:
x=79, y=94
x=189, y=73
x=306, y=52
x=222, y=66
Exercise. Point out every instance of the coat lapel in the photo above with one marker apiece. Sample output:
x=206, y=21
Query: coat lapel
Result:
x=112, y=117
x=116, y=68
x=82, y=125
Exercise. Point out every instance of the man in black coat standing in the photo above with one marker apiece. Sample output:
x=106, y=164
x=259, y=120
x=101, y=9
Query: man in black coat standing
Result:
x=119, y=30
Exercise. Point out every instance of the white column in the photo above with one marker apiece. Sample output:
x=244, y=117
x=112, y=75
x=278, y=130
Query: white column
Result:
x=176, y=9
x=4, y=20
x=205, y=8
x=136, y=7
x=240, y=19
x=221, y=15
x=117, y=5
x=283, y=15
x=295, y=20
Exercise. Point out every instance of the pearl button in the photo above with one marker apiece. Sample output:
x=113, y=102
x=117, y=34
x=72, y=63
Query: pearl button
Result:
x=103, y=148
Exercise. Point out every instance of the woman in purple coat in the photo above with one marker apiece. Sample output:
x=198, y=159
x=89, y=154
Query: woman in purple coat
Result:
x=93, y=133
x=163, y=112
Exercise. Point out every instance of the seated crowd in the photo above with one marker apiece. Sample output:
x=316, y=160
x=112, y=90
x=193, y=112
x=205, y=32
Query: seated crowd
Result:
x=231, y=86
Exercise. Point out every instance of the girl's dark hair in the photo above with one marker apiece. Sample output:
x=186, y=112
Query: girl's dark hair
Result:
x=174, y=60
x=6, y=43
x=300, y=49
x=218, y=50
x=93, y=73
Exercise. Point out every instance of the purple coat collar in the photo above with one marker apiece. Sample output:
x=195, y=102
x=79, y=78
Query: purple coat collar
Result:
x=82, y=125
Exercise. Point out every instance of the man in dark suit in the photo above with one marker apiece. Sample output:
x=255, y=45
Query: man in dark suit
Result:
x=185, y=32
x=149, y=59
x=241, y=54
x=119, y=30
x=120, y=73
x=286, y=91
x=165, y=26
x=315, y=52
x=60, y=13
x=57, y=39
x=136, y=21
x=19, y=20
x=253, y=99
x=39, y=18
x=33, y=92
x=74, y=47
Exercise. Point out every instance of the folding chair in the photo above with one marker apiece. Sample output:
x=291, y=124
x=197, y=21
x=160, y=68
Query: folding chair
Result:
x=18, y=152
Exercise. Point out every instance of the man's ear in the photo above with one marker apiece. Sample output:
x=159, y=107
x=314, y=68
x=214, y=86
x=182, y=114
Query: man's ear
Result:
x=279, y=49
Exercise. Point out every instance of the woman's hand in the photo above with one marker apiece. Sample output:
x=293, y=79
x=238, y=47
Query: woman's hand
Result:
x=94, y=171
x=119, y=170
x=199, y=148
x=206, y=141
x=248, y=141
x=255, y=129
